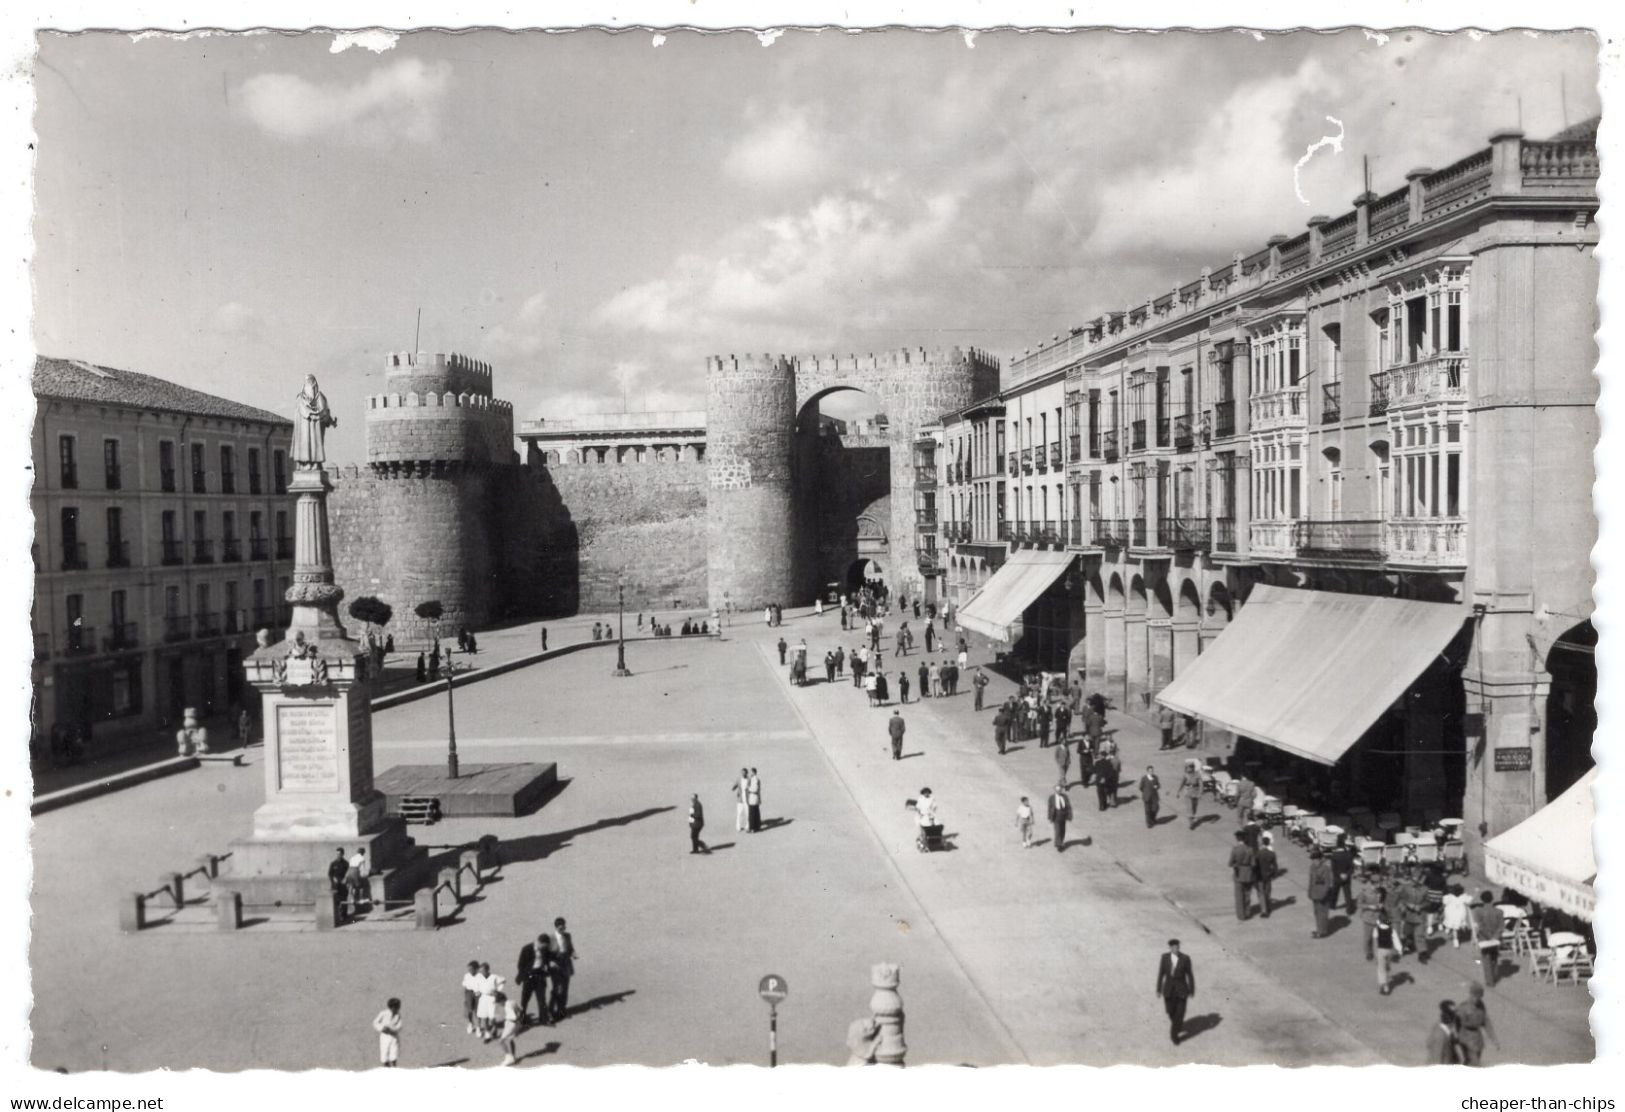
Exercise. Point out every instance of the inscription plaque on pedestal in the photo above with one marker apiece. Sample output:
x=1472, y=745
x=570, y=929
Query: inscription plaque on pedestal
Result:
x=307, y=748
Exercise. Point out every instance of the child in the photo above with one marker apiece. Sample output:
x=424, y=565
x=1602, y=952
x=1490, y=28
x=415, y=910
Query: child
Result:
x=510, y=1028
x=388, y=1025
x=1024, y=823
x=490, y=984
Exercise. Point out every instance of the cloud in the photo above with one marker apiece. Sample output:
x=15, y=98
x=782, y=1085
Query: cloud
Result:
x=531, y=330
x=236, y=319
x=789, y=148
x=400, y=102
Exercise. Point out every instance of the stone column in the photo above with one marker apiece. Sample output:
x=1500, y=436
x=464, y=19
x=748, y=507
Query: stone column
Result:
x=887, y=1007
x=1094, y=644
x=1116, y=629
x=1187, y=636
x=1137, y=659
x=1160, y=649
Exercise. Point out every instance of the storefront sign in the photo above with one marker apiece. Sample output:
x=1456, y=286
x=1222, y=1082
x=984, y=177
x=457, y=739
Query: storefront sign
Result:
x=1514, y=760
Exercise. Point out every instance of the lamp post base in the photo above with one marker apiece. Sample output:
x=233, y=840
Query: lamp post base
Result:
x=620, y=661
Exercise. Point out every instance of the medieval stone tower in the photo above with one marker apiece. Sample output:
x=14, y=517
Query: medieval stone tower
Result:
x=438, y=444
x=758, y=550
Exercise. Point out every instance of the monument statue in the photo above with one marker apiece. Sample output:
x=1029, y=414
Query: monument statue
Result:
x=310, y=430
x=191, y=738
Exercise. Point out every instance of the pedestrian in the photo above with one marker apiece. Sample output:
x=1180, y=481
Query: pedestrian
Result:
x=389, y=644
x=962, y=660
x=471, y=994
x=337, y=870
x=1024, y=822
x=1001, y=728
x=434, y=663
x=696, y=823
x=829, y=667
x=1190, y=788
x=1472, y=1024
x=783, y=647
x=473, y=644
x=355, y=880
x=388, y=1025
x=509, y=1032
x=1063, y=720
x=979, y=683
x=1342, y=859
x=1242, y=873
x=896, y=728
x=531, y=975
x=1322, y=891
x=563, y=968
x=243, y=722
x=1487, y=925
x=1266, y=865
x=423, y=669
x=1457, y=921
x=1063, y=761
x=1385, y=940
x=1103, y=780
x=1059, y=811
x=1373, y=898
x=930, y=639
x=840, y=661
x=1442, y=1048
x=753, y=801
x=935, y=673
x=924, y=673
x=741, y=805
x=1165, y=723
x=544, y=639
x=882, y=689
x=1413, y=909
x=485, y=1013
x=1150, y=794
x=1176, y=984
x=1043, y=726
x=902, y=686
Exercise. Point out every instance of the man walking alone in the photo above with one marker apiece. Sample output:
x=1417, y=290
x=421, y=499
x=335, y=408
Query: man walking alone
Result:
x=1060, y=809
x=1176, y=984
x=896, y=728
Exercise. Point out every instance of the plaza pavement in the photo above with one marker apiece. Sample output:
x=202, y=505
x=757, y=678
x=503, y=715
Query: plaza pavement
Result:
x=1008, y=955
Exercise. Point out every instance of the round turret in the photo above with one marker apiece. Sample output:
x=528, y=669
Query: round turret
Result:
x=750, y=431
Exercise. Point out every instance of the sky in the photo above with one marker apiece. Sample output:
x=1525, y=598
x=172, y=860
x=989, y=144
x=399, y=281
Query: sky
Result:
x=594, y=213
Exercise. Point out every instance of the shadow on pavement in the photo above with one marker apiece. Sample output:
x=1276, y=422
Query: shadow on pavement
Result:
x=598, y=1002
x=771, y=824
x=545, y=1048
x=538, y=847
x=1197, y=1025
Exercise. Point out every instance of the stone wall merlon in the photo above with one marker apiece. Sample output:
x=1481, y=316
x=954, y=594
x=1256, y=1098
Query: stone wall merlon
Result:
x=412, y=400
x=437, y=360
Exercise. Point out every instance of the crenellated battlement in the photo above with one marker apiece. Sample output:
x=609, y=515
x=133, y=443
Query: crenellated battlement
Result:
x=892, y=360
x=436, y=373
x=377, y=404
x=402, y=361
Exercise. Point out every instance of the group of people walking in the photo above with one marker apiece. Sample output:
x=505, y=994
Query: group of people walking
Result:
x=543, y=973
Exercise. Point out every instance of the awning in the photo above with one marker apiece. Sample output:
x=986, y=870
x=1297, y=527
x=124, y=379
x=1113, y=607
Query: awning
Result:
x=998, y=605
x=1309, y=671
x=1548, y=856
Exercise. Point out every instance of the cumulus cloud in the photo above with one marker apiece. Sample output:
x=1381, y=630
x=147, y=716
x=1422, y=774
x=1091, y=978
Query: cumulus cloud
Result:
x=400, y=102
x=237, y=319
x=785, y=147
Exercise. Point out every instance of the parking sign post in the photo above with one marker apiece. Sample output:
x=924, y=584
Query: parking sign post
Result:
x=773, y=989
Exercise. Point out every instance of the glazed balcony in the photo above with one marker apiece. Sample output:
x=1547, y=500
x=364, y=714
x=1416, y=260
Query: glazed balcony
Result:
x=1137, y=533
x=1439, y=378
x=1433, y=542
x=1272, y=539
x=1015, y=463
x=1055, y=460
x=1345, y=539
x=1224, y=418
x=1108, y=445
x=927, y=476
x=1184, y=433
x=1137, y=435
x=1112, y=532
x=1074, y=448
x=1281, y=409
x=925, y=521
x=1224, y=534
x=1379, y=393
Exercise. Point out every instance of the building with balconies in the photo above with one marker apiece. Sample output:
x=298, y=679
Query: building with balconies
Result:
x=134, y=619
x=1386, y=420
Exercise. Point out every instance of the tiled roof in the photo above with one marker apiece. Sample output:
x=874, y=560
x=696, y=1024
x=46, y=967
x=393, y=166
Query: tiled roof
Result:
x=1584, y=131
x=74, y=380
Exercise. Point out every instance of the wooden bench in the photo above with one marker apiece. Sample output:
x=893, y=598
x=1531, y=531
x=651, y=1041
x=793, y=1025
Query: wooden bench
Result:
x=420, y=809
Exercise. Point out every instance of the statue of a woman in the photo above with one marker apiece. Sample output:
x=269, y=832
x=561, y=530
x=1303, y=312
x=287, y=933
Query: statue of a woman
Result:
x=310, y=430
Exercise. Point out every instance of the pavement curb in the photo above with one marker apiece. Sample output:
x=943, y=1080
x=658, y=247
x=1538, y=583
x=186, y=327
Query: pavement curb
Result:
x=116, y=782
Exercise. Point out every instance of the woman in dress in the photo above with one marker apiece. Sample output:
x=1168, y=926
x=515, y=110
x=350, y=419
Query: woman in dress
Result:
x=1456, y=920
x=487, y=1014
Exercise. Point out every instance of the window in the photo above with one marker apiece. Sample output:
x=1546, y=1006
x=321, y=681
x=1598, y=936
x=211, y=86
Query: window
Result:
x=110, y=463
x=254, y=471
x=69, y=465
x=1379, y=321
x=118, y=549
x=199, y=475
x=228, y=470
x=1331, y=364
x=172, y=602
x=79, y=635
x=279, y=478
x=73, y=550
x=166, y=465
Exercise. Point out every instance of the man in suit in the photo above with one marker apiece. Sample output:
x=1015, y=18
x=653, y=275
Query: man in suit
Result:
x=564, y=967
x=895, y=728
x=753, y=802
x=1442, y=1047
x=337, y=869
x=1242, y=872
x=1176, y=984
x=1265, y=866
x=1150, y=795
x=1322, y=891
x=1060, y=809
x=1342, y=859
x=696, y=823
x=532, y=977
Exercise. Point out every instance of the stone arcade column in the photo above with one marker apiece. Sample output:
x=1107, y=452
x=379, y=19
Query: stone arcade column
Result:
x=1116, y=681
x=1094, y=645
x=1137, y=660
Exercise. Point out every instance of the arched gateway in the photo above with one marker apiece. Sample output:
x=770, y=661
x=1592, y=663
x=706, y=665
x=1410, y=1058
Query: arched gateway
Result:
x=757, y=545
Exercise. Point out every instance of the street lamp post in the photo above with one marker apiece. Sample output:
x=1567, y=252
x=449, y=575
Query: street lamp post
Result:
x=451, y=723
x=620, y=629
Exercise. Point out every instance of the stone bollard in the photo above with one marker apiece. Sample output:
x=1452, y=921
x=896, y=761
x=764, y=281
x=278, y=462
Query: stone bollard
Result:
x=327, y=913
x=132, y=913
x=887, y=1007
x=210, y=864
x=228, y=910
x=469, y=863
x=425, y=915
x=176, y=884
x=488, y=853
x=449, y=878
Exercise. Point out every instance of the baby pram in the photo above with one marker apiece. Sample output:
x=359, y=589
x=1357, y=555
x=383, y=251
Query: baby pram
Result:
x=930, y=839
